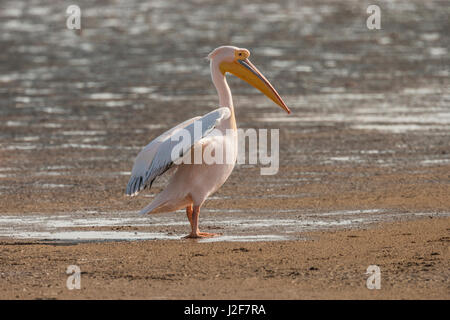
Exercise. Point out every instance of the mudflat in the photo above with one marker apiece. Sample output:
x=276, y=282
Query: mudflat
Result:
x=413, y=257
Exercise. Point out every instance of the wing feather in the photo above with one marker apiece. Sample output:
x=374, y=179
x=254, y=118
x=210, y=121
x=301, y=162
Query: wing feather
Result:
x=156, y=158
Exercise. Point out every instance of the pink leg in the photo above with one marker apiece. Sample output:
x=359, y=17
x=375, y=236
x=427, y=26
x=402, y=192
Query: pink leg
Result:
x=189, y=212
x=193, y=219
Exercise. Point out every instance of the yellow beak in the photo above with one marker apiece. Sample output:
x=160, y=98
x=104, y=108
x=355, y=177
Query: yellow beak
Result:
x=244, y=69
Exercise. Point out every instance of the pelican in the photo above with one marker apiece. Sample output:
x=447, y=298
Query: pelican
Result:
x=192, y=183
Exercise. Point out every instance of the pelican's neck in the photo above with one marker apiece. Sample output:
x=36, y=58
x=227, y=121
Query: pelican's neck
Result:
x=220, y=82
x=224, y=92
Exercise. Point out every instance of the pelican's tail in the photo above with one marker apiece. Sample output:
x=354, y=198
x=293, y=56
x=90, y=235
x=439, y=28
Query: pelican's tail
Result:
x=160, y=205
x=148, y=209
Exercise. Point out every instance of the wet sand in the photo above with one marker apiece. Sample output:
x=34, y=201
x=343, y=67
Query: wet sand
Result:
x=413, y=258
x=364, y=157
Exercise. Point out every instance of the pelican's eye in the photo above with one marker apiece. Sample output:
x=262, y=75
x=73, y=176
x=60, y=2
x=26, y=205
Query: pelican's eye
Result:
x=241, y=54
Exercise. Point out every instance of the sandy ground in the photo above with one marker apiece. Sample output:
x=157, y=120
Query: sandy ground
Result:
x=413, y=258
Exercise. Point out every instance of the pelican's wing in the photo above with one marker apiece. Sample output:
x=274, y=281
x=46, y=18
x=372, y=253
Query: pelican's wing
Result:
x=156, y=158
x=146, y=155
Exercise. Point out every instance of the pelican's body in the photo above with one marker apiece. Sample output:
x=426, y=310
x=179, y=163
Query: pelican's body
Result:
x=193, y=182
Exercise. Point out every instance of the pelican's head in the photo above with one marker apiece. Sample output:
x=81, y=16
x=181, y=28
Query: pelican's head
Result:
x=235, y=61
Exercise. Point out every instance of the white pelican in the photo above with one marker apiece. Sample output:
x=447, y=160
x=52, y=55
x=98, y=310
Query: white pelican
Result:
x=191, y=184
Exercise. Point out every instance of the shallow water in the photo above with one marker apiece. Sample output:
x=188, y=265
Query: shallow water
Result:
x=76, y=108
x=232, y=225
